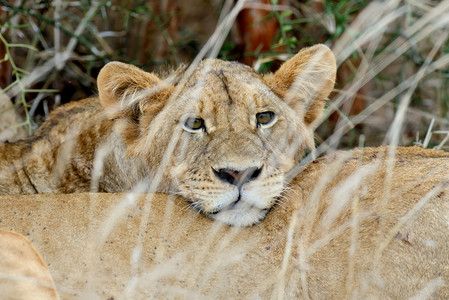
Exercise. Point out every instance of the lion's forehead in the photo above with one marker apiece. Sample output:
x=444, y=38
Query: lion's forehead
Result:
x=218, y=87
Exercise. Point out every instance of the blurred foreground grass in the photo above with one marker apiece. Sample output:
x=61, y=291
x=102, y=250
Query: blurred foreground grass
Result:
x=392, y=55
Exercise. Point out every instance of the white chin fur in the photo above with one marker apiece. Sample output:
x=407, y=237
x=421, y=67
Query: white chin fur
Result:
x=241, y=215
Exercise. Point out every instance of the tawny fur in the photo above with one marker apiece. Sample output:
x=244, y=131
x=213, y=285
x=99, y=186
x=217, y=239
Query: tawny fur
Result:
x=133, y=135
x=370, y=223
x=24, y=274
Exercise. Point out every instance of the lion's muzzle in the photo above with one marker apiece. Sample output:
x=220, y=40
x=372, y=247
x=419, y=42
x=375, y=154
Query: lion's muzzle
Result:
x=237, y=178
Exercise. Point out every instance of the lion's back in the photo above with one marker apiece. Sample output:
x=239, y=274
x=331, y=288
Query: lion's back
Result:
x=23, y=162
x=379, y=212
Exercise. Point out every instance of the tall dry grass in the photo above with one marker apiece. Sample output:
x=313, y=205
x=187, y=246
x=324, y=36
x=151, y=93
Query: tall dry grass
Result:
x=401, y=49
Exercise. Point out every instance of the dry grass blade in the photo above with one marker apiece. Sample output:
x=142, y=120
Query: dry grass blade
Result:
x=402, y=49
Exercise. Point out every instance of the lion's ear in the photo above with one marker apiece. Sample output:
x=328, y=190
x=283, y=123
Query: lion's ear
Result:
x=305, y=81
x=121, y=87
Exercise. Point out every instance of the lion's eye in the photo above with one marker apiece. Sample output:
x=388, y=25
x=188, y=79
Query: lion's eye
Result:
x=194, y=124
x=265, y=118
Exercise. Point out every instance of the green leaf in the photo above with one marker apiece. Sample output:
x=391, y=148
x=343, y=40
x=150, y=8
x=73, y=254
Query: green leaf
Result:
x=286, y=28
x=286, y=13
x=293, y=40
x=141, y=9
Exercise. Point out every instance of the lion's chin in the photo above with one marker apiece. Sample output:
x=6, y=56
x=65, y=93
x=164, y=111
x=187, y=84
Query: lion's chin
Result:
x=240, y=215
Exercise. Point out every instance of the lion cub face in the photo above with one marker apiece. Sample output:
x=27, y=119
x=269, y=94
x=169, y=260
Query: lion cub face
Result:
x=221, y=135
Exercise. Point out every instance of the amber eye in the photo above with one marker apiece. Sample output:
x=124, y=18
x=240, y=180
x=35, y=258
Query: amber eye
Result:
x=265, y=118
x=194, y=124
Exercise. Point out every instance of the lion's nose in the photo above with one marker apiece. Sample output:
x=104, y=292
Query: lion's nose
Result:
x=237, y=178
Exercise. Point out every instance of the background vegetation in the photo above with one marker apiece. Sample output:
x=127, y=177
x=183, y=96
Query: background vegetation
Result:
x=393, y=55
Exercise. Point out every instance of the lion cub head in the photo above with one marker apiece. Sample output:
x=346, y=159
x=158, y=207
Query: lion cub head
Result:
x=220, y=134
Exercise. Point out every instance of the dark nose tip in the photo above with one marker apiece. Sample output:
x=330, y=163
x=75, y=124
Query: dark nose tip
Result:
x=237, y=178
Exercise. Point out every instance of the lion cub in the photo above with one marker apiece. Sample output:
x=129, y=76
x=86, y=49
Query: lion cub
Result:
x=218, y=133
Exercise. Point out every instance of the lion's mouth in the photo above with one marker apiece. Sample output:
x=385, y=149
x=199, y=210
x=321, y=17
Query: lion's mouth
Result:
x=230, y=206
x=239, y=213
x=239, y=216
x=239, y=198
